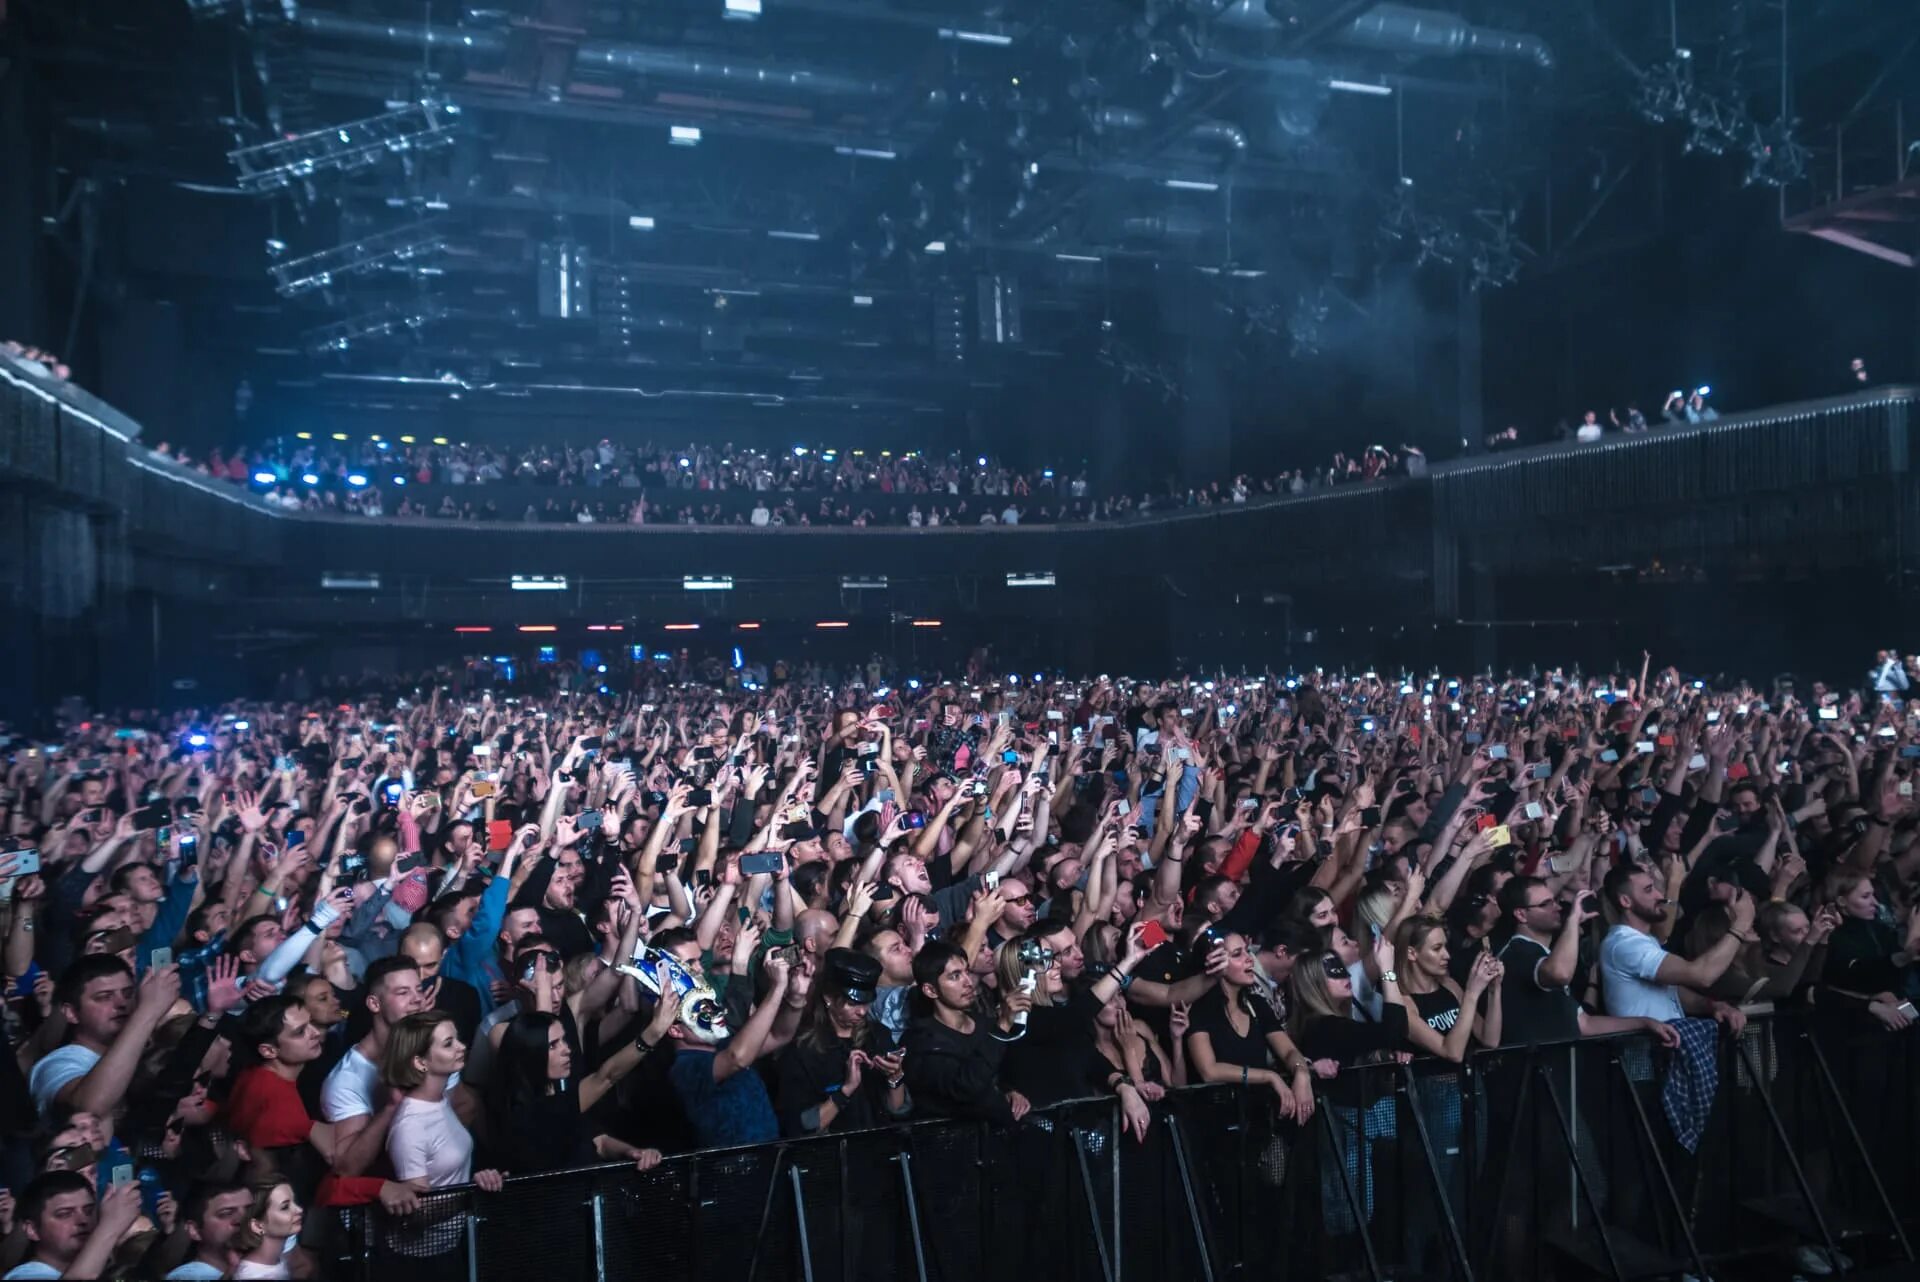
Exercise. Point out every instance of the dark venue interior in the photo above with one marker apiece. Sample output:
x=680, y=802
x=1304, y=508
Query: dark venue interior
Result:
x=959, y=639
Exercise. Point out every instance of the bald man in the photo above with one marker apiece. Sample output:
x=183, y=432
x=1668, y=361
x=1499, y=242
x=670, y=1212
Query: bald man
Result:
x=453, y=998
x=814, y=930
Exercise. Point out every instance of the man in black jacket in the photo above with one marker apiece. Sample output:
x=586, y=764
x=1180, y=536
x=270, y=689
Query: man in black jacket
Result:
x=953, y=1058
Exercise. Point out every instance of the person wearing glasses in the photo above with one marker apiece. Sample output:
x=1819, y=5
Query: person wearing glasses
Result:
x=1541, y=960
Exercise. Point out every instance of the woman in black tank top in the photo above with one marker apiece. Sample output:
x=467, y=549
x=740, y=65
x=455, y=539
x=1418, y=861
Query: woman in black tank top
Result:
x=1448, y=1014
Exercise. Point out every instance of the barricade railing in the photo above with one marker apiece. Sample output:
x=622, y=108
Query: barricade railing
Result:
x=1522, y=1162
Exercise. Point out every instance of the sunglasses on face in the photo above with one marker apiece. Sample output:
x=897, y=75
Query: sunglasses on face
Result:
x=1334, y=968
x=550, y=960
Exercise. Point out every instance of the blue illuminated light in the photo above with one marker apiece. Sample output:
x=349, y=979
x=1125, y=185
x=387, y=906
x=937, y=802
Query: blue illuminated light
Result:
x=264, y=478
x=356, y=478
x=738, y=661
x=310, y=478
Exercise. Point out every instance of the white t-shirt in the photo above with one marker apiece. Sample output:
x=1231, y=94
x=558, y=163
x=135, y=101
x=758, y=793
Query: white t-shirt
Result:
x=49, y=1076
x=1629, y=961
x=32, y=1269
x=195, y=1271
x=428, y=1142
x=353, y=1085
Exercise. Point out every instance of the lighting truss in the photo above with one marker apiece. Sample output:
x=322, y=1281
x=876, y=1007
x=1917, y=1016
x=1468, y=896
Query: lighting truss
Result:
x=419, y=126
x=397, y=247
x=382, y=323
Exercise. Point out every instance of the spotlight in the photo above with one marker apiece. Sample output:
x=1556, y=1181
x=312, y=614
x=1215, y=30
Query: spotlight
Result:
x=264, y=478
x=356, y=479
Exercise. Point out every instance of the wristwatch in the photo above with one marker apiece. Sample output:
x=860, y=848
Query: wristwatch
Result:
x=1389, y=977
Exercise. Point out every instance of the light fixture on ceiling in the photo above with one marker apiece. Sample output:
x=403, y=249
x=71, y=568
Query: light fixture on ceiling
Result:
x=976, y=37
x=742, y=10
x=684, y=135
x=1361, y=87
x=781, y=234
x=936, y=247
x=641, y=222
x=865, y=153
x=1189, y=184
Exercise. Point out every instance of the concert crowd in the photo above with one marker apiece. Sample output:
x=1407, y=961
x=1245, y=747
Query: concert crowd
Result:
x=272, y=960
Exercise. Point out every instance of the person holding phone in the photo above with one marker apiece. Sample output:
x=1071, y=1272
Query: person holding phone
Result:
x=1232, y=1036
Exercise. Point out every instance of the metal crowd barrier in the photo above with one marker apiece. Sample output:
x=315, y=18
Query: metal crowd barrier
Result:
x=1522, y=1163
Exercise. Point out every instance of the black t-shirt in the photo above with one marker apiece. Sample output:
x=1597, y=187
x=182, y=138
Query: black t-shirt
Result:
x=546, y=1133
x=1230, y=1045
x=1531, y=1014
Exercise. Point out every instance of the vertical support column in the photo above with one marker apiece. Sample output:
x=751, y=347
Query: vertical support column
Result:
x=1206, y=423
x=1468, y=350
x=22, y=303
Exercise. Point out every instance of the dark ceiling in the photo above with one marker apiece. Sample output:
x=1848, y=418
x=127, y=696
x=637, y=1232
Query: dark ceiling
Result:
x=850, y=207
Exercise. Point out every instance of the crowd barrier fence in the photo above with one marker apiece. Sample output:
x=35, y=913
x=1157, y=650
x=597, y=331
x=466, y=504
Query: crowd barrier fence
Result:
x=1525, y=1162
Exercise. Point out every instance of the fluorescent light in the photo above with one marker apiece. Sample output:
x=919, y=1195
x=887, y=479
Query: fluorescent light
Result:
x=793, y=235
x=748, y=627
x=923, y=623
x=743, y=10
x=1189, y=184
x=640, y=222
x=538, y=583
x=975, y=37
x=706, y=583
x=681, y=627
x=936, y=247
x=684, y=135
x=831, y=623
x=1078, y=258
x=1043, y=579
x=863, y=300
x=538, y=627
x=1359, y=86
x=346, y=580
x=863, y=582
x=866, y=153
x=471, y=629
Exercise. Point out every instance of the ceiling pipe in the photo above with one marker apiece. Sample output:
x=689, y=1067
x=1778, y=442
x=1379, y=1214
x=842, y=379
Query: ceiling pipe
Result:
x=1222, y=134
x=338, y=26
x=685, y=66
x=704, y=69
x=1401, y=29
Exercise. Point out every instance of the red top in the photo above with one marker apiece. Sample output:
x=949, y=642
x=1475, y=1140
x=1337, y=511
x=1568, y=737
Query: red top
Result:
x=265, y=1110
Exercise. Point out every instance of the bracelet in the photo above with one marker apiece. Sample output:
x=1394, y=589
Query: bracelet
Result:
x=1126, y=980
x=643, y=1045
x=1243, y=1074
x=894, y=1083
x=834, y=1089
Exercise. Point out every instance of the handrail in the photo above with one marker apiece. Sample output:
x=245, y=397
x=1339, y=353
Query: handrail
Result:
x=1441, y=478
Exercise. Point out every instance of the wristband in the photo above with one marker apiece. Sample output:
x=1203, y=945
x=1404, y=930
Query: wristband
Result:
x=834, y=1089
x=893, y=1083
x=1126, y=980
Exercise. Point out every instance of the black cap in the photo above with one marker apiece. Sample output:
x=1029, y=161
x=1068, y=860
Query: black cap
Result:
x=851, y=974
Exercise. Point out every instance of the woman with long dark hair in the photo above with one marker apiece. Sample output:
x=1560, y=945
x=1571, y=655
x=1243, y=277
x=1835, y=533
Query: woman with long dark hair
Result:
x=542, y=1113
x=843, y=1071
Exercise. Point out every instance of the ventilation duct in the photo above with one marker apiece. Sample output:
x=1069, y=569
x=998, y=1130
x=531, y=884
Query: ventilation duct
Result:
x=1393, y=28
x=686, y=66
x=408, y=35
x=1223, y=135
x=698, y=68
